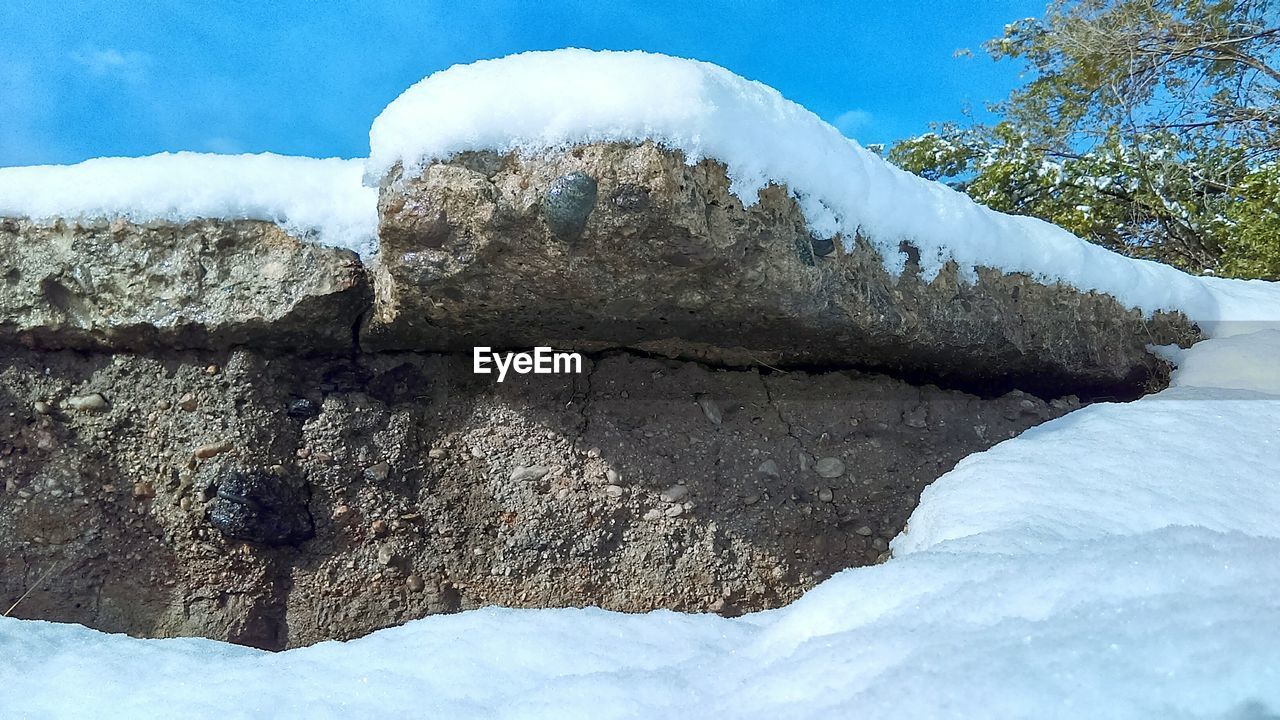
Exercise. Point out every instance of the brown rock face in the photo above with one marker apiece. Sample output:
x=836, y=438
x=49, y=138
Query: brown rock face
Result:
x=358, y=493
x=207, y=284
x=620, y=246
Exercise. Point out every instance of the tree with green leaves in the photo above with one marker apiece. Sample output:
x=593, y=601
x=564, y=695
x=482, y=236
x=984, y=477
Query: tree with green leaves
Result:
x=1148, y=126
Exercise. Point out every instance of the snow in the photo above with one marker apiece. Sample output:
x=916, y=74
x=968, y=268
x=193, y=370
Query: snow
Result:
x=538, y=101
x=308, y=197
x=1118, y=562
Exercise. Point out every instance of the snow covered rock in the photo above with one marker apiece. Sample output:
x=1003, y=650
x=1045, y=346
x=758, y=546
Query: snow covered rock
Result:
x=321, y=199
x=609, y=245
x=115, y=284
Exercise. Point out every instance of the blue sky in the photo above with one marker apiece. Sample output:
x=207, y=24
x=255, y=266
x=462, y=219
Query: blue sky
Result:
x=87, y=78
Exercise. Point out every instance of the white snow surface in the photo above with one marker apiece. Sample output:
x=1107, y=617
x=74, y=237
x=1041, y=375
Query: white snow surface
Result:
x=319, y=198
x=535, y=101
x=1119, y=562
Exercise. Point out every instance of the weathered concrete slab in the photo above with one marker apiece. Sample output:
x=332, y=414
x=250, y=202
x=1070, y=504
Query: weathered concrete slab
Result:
x=612, y=245
x=208, y=284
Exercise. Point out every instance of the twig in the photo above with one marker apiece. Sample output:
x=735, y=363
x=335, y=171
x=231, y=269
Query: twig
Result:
x=765, y=364
x=32, y=589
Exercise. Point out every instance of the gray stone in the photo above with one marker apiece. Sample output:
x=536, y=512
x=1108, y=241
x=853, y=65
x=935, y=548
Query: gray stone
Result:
x=710, y=409
x=769, y=468
x=675, y=493
x=93, y=402
x=829, y=467
x=567, y=204
x=529, y=473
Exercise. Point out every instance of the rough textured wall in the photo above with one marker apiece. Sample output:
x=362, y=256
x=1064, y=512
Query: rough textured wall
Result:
x=167, y=490
x=608, y=246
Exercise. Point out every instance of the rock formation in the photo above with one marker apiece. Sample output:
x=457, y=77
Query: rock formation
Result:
x=218, y=429
x=627, y=246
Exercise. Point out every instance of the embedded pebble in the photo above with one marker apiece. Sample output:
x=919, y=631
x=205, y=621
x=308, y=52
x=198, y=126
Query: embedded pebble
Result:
x=652, y=514
x=826, y=495
x=143, y=490
x=613, y=490
x=710, y=409
x=188, y=402
x=385, y=555
x=612, y=476
x=674, y=511
x=567, y=203
x=209, y=450
x=302, y=408
x=769, y=468
x=378, y=472
x=414, y=583
x=436, y=453
x=675, y=493
x=379, y=527
x=829, y=467
x=529, y=473
x=93, y=402
x=880, y=544
x=864, y=531
x=42, y=408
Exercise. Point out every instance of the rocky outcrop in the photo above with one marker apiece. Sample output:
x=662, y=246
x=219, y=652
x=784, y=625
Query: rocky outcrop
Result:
x=623, y=246
x=276, y=500
x=208, y=284
x=197, y=438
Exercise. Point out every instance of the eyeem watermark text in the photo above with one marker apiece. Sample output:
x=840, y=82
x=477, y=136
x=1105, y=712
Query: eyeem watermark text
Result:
x=540, y=361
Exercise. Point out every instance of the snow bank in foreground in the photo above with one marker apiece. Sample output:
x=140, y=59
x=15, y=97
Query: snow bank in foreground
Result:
x=304, y=195
x=1177, y=623
x=1118, y=562
x=541, y=100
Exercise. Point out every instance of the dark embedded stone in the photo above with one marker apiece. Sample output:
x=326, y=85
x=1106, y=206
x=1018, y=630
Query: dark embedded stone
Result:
x=568, y=203
x=260, y=506
x=403, y=383
x=631, y=197
x=302, y=408
x=804, y=250
x=823, y=247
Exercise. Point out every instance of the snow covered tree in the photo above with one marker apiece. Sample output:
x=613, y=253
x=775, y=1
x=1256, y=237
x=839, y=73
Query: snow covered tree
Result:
x=1149, y=126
